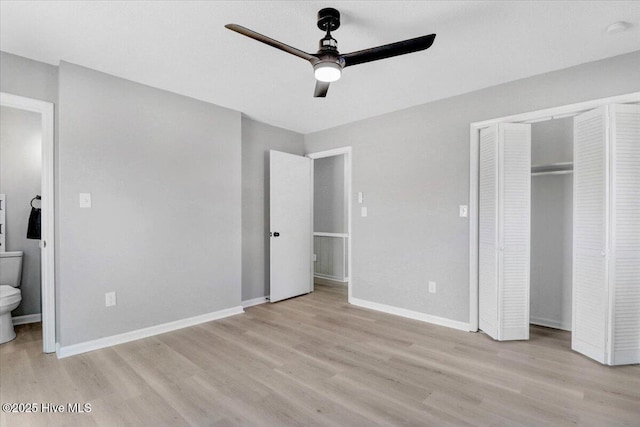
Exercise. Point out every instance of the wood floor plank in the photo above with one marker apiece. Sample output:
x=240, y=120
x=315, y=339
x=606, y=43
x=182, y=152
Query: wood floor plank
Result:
x=315, y=360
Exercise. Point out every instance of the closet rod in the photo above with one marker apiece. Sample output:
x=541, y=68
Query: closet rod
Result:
x=551, y=173
x=554, y=168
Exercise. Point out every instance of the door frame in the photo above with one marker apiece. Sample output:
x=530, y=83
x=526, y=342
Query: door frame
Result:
x=47, y=242
x=346, y=151
x=474, y=160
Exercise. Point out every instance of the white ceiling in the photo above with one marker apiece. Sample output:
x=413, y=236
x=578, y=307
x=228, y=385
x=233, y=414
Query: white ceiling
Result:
x=183, y=47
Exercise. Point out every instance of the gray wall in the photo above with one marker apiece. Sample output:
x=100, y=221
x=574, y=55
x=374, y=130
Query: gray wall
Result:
x=413, y=167
x=552, y=141
x=411, y=164
x=25, y=77
x=20, y=181
x=551, y=225
x=329, y=210
x=257, y=139
x=164, y=172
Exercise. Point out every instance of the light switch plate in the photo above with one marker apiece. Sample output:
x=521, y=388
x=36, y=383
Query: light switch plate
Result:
x=85, y=200
x=363, y=211
x=464, y=211
x=360, y=197
x=432, y=287
x=110, y=299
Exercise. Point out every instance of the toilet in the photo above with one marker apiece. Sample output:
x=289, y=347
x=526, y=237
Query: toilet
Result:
x=10, y=296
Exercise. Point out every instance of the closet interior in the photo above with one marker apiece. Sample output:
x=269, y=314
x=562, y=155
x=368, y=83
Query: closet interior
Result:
x=551, y=222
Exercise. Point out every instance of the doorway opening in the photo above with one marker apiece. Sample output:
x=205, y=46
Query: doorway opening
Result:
x=29, y=183
x=331, y=234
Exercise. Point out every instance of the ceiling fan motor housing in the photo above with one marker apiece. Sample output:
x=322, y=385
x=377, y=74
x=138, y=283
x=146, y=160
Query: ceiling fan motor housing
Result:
x=328, y=19
x=328, y=43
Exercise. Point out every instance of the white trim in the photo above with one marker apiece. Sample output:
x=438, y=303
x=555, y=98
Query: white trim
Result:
x=47, y=243
x=329, y=153
x=83, y=347
x=254, y=301
x=415, y=315
x=562, y=111
x=550, y=323
x=334, y=278
x=312, y=285
x=474, y=129
x=26, y=318
x=348, y=176
x=3, y=219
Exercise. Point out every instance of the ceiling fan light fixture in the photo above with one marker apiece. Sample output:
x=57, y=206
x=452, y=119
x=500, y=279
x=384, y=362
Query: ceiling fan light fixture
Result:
x=327, y=71
x=328, y=62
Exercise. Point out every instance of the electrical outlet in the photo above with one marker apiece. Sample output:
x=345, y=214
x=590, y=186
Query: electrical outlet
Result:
x=432, y=287
x=85, y=200
x=110, y=299
x=363, y=211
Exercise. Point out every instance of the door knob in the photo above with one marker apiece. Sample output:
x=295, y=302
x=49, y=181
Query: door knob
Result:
x=276, y=234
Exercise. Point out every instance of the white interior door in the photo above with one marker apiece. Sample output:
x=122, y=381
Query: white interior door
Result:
x=606, y=235
x=514, y=233
x=290, y=225
x=590, y=233
x=624, y=259
x=488, y=233
x=504, y=230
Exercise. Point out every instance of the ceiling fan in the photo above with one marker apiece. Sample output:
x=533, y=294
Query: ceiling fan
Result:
x=328, y=62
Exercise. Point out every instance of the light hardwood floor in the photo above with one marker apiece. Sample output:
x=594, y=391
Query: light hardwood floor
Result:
x=315, y=360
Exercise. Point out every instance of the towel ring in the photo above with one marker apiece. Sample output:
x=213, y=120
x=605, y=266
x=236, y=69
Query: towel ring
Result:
x=35, y=198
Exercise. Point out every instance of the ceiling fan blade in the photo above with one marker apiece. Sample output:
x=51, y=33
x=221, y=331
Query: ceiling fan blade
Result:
x=271, y=42
x=321, y=89
x=388, y=50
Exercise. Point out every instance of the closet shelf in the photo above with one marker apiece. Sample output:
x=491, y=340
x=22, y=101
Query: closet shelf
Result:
x=552, y=169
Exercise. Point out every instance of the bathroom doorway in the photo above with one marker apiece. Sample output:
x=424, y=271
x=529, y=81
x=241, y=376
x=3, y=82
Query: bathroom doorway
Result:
x=332, y=219
x=31, y=178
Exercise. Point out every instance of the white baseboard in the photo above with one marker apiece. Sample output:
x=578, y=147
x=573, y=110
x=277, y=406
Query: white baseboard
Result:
x=441, y=321
x=333, y=278
x=254, y=301
x=329, y=282
x=71, y=350
x=27, y=318
x=549, y=323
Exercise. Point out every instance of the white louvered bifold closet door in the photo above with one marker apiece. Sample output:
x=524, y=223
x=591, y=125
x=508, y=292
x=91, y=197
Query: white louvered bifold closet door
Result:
x=504, y=230
x=624, y=274
x=514, y=143
x=488, y=232
x=590, y=234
